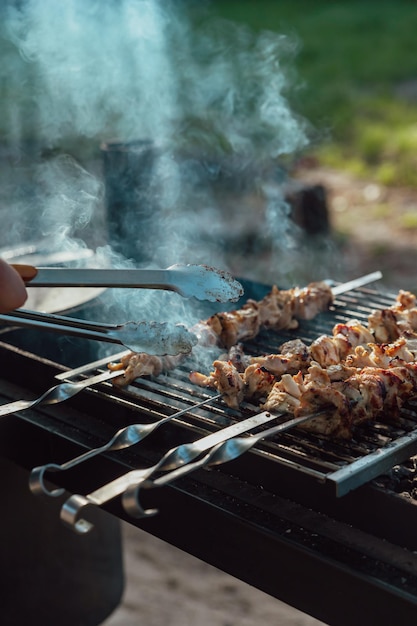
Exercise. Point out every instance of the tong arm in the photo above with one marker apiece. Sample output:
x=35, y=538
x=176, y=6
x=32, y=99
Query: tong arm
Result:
x=60, y=320
x=44, y=322
x=198, y=281
x=156, y=338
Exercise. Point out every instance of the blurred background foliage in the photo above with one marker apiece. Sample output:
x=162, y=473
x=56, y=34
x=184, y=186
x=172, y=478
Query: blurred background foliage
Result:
x=356, y=78
x=352, y=71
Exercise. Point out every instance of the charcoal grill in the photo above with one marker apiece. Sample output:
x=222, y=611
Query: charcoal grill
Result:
x=300, y=517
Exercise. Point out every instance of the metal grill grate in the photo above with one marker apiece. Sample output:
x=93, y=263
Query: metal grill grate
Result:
x=344, y=465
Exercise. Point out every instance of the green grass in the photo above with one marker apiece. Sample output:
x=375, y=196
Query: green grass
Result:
x=355, y=61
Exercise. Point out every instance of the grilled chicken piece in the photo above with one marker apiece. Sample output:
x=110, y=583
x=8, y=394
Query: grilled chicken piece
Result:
x=258, y=381
x=385, y=355
x=337, y=422
x=295, y=346
x=226, y=379
x=355, y=332
x=328, y=350
x=254, y=382
x=294, y=357
x=286, y=394
x=138, y=364
x=325, y=351
x=311, y=300
x=229, y=383
x=387, y=325
x=361, y=357
x=276, y=309
x=234, y=326
x=349, y=335
x=405, y=300
x=384, y=326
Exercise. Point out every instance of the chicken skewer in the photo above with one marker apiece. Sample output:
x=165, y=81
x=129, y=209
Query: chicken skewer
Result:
x=366, y=395
x=275, y=310
x=344, y=357
x=279, y=309
x=352, y=345
x=258, y=379
x=261, y=373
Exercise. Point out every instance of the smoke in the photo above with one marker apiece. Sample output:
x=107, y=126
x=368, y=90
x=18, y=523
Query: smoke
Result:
x=96, y=67
x=63, y=183
x=210, y=95
x=139, y=68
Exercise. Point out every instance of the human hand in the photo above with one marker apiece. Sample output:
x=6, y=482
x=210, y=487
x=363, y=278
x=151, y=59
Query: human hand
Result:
x=13, y=292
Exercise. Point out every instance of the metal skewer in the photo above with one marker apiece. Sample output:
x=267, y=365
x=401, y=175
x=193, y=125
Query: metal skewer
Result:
x=219, y=454
x=124, y=438
x=356, y=282
x=174, y=458
x=56, y=394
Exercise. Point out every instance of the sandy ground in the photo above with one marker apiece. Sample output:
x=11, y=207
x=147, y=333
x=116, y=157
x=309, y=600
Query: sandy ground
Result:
x=167, y=587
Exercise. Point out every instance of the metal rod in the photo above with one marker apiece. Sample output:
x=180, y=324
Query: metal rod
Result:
x=221, y=453
x=176, y=457
x=356, y=282
x=124, y=438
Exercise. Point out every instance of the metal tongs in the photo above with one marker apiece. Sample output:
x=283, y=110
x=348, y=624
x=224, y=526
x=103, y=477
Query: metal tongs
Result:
x=198, y=281
x=155, y=338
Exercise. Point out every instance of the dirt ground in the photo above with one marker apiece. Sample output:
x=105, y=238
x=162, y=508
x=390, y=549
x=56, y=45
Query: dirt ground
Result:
x=376, y=228
x=167, y=587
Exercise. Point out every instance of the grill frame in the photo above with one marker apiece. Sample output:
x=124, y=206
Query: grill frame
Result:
x=294, y=451
x=302, y=545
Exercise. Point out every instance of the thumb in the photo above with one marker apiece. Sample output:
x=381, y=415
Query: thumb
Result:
x=13, y=292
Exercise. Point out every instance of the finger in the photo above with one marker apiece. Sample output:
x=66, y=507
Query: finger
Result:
x=13, y=292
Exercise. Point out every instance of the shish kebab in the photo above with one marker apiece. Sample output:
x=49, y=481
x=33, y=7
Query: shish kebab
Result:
x=360, y=378
x=279, y=309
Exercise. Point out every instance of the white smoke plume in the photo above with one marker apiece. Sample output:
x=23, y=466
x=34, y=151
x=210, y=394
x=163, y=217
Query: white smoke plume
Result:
x=211, y=96
x=140, y=68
